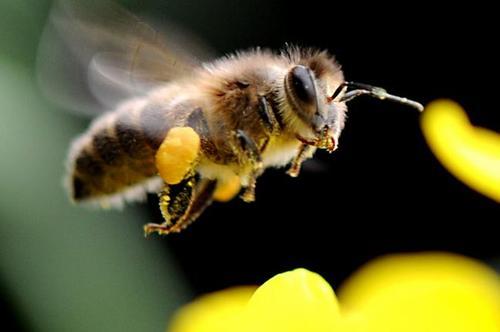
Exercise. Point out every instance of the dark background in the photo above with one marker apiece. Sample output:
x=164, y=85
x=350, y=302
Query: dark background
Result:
x=381, y=192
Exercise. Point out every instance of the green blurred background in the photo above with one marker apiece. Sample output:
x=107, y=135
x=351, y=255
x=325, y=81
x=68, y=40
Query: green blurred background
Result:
x=61, y=268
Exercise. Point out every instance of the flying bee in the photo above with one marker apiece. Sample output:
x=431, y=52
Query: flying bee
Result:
x=193, y=132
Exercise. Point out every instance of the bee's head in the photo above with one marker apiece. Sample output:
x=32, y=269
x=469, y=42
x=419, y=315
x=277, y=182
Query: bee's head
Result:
x=315, y=93
x=308, y=89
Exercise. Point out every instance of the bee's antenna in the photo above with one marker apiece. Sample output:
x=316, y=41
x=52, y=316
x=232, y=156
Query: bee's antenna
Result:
x=373, y=91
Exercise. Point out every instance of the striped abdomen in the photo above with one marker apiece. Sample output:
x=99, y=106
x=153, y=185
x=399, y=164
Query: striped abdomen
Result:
x=118, y=151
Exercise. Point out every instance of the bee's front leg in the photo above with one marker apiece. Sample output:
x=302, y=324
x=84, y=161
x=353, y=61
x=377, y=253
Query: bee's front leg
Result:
x=325, y=140
x=305, y=151
x=252, y=155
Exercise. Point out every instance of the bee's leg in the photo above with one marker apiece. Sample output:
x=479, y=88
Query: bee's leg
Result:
x=252, y=153
x=174, y=202
x=178, y=155
x=182, y=199
x=269, y=121
x=181, y=204
x=305, y=151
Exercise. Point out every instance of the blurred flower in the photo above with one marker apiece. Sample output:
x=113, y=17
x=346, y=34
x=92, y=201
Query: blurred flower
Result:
x=470, y=153
x=294, y=301
x=429, y=292
x=403, y=293
x=217, y=312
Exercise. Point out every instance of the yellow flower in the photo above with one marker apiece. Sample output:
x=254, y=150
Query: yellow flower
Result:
x=218, y=312
x=403, y=293
x=424, y=292
x=294, y=301
x=470, y=153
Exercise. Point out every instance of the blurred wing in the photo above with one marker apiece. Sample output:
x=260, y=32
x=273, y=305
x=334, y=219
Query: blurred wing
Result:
x=94, y=54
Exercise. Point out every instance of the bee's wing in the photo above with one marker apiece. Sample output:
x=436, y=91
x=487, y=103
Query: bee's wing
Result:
x=94, y=54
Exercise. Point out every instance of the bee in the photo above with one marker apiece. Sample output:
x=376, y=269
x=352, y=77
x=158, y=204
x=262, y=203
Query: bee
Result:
x=195, y=131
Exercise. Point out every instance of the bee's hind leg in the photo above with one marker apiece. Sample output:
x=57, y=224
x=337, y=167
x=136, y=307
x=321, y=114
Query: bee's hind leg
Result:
x=181, y=204
x=182, y=198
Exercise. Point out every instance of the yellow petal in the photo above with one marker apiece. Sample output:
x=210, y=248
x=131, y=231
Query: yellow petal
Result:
x=217, y=312
x=423, y=292
x=470, y=153
x=295, y=301
x=177, y=153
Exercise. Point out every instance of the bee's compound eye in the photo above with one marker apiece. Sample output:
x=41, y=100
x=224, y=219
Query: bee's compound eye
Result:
x=302, y=84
